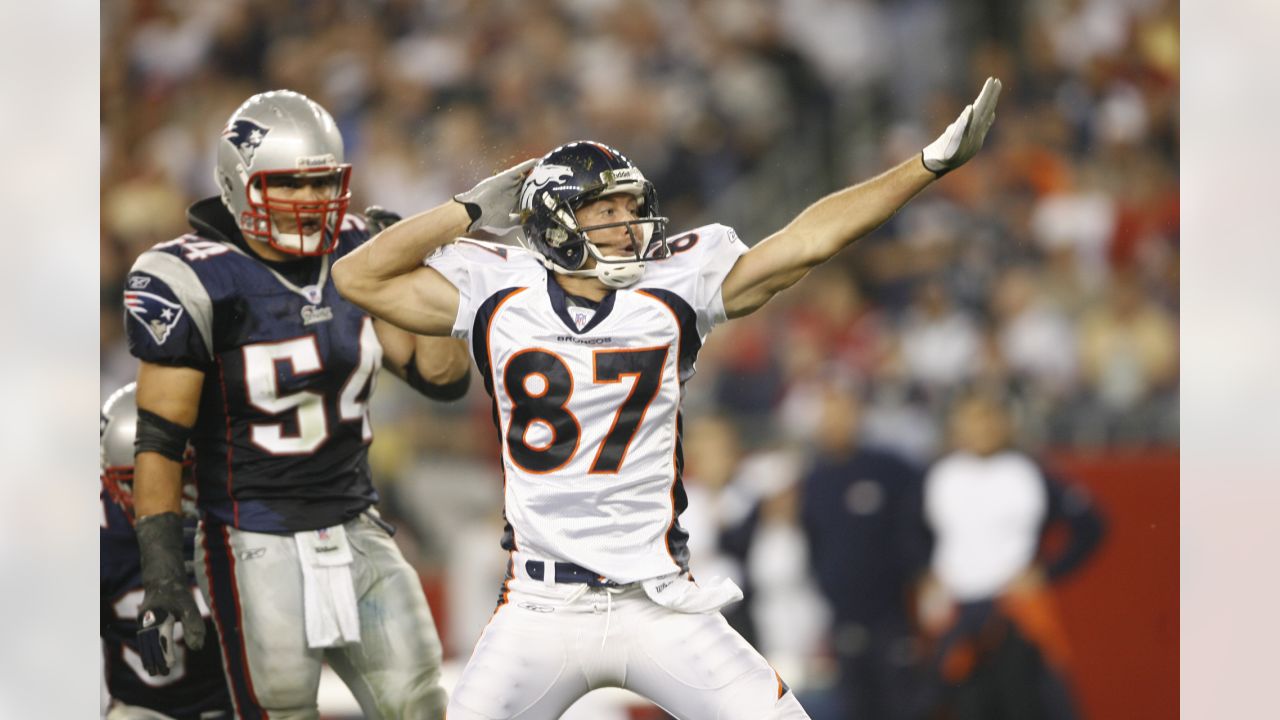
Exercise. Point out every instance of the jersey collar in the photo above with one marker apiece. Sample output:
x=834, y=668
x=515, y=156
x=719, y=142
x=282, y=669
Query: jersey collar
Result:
x=560, y=303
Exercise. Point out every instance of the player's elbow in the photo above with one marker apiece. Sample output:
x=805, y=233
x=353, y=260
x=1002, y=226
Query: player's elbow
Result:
x=349, y=283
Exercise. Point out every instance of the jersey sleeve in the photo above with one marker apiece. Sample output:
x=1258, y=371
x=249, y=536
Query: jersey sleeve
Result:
x=168, y=315
x=479, y=270
x=722, y=253
x=701, y=260
x=451, y=263
x=353, y=234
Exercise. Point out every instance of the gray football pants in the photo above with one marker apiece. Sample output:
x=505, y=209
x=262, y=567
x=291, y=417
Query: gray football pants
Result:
x=253, y=585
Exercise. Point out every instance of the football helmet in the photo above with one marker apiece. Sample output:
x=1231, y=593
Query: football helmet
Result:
x=117, y=427
x=284, y=139
x=562, y=182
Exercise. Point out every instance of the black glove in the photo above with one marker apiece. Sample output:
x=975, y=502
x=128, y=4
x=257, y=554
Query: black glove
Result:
x=380, y=218
x=493, y=202
x=166, y=593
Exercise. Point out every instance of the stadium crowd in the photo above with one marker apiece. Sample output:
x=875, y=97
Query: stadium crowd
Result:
x=1047, y=270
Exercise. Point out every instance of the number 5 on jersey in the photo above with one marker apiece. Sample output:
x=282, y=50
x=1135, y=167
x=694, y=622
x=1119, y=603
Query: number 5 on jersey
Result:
x=540, y=386
x=307, y=406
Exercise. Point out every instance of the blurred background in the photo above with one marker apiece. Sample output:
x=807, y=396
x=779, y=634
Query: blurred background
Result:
x=1046, y=271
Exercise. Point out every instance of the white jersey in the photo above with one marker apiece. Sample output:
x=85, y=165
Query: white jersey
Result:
x=587, y=403
x=986, y=513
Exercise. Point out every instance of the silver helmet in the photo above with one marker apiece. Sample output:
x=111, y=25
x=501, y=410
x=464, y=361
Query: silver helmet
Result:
x=117, y=428
x=274, y=145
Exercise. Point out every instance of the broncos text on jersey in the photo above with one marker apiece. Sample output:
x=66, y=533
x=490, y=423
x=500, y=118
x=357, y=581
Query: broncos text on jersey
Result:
x=587, y=397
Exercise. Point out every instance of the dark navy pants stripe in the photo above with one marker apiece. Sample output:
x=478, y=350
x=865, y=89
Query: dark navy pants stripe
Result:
x=220, y=570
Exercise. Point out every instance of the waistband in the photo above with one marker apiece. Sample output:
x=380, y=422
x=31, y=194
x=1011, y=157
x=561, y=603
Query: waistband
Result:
x=563, y=573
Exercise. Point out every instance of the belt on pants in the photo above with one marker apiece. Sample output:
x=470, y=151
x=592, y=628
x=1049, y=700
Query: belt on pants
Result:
x=566, y=573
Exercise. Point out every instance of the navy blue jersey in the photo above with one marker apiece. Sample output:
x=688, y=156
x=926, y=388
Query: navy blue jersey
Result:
x=867, y=541
x=282, y=437
x=195, y=686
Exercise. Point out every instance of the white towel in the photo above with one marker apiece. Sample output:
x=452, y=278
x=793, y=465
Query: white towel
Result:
x=677, y=592
x=328, y=592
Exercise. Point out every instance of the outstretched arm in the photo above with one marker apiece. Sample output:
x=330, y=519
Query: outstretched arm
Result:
x=837, y=220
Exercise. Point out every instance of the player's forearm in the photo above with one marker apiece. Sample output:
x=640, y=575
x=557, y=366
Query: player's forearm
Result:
x=815, y=235
x=833, y=223
x=157, y=485
x=441, y=361
x=168, y=406
x=400, y=249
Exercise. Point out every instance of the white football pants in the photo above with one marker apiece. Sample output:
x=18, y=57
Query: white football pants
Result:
x=253, y=585
x=548, y=645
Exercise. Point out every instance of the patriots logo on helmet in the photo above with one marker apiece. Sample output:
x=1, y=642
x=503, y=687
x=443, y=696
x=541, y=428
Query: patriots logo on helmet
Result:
x=540, y=177
x=155, y=313
x=245, y=136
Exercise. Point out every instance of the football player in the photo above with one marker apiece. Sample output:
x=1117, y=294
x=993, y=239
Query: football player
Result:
x=195, y=687
x=584, y=341
x=249, y=353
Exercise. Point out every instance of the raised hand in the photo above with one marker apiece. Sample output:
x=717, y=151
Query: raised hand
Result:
x=963, y=138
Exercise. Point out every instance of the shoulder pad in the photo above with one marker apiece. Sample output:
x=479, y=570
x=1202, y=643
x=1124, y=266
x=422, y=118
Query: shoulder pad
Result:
x=191, y=248
x=174, y=263
x=490, y=252
x=701, y=240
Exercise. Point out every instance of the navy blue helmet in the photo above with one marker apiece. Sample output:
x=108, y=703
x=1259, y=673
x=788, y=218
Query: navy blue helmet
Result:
x=571, y=176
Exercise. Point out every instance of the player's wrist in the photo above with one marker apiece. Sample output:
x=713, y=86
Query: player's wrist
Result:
x=160, y=548
x=937, y=170
x=473, y=210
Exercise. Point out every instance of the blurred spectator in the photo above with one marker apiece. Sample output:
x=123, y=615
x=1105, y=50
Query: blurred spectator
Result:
x=712, y=452
x=940, y=342
x=734, y=107
x=860, y=509
x=1128, y=354
x=1032, y=332
x=786, y=609
x=1001, y=650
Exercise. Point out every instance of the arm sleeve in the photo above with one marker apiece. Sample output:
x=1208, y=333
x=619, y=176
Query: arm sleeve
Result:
x=1072, y=505
x=168, y=315
x=723, y=248
x=450, y=262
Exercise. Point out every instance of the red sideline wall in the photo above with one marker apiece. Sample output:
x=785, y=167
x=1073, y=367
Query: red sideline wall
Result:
x=1121, y=608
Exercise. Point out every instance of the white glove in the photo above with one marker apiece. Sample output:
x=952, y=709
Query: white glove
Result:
x=962, y=138
x=492, y=202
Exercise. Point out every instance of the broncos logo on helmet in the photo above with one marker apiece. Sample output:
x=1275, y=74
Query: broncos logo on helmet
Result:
x=540, y=177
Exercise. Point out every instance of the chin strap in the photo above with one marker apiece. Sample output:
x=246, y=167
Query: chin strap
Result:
x=620, y=275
